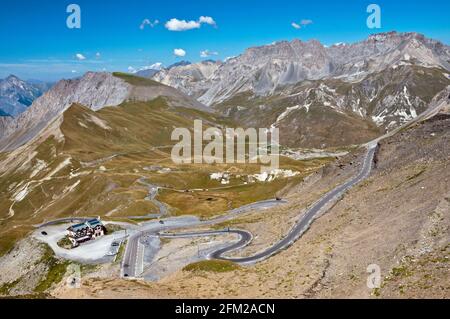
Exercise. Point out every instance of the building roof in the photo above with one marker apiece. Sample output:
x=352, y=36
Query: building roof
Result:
x=77, y=227
x=94, y=222
x=88, y=224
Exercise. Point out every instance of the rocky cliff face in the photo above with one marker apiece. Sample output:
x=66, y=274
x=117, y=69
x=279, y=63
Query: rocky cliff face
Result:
x=333, y=112
x=4, y=120
x=304, y=87
x=262, y=70
x=192, y=79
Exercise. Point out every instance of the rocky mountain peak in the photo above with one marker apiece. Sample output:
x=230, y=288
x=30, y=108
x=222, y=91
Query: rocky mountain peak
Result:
x=12, y=77
x=16, y=95
x=264, y=69
x=12, y=81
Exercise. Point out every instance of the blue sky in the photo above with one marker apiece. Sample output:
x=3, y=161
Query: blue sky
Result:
x=36, y=43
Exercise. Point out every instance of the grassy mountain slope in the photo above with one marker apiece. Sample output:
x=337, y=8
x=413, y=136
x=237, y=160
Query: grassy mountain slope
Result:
x=397, y=219
x=90, y=163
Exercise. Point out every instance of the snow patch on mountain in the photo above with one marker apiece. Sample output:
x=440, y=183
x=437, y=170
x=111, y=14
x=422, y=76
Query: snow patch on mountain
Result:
x=288, y=111
x=101, y=123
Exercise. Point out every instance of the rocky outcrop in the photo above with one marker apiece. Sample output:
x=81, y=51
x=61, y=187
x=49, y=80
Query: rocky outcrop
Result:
x=4, y=121
x=188, y=78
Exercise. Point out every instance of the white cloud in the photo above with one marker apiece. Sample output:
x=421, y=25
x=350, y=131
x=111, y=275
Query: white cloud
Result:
x=98, y=55
x=207, y=20
x=74, y=71
x=295, y=25
x=80, y=57
x=183, y=25
x=303, y=22
x=179, y=52
x=149, y=23
x=131, y=69
x=207, y=53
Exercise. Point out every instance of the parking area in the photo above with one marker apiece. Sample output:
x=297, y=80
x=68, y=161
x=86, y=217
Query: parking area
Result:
x=100, y=250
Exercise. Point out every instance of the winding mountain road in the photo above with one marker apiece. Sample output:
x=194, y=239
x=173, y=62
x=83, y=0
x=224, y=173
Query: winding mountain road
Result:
x=132, y=258
x=301, y=226
x=318, y=207
x=245, y=237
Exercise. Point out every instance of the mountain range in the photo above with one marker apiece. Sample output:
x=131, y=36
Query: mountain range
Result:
x=17, y=95
x=266, y=69
x=94, y=91
x=322, y=96
x=317, y=96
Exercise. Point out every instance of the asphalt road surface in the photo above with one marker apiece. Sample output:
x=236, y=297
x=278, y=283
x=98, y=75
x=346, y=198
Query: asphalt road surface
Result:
x=301, y=226
x=245, y=237
x=131, y=261
x=305, y=221
x=130, y=258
